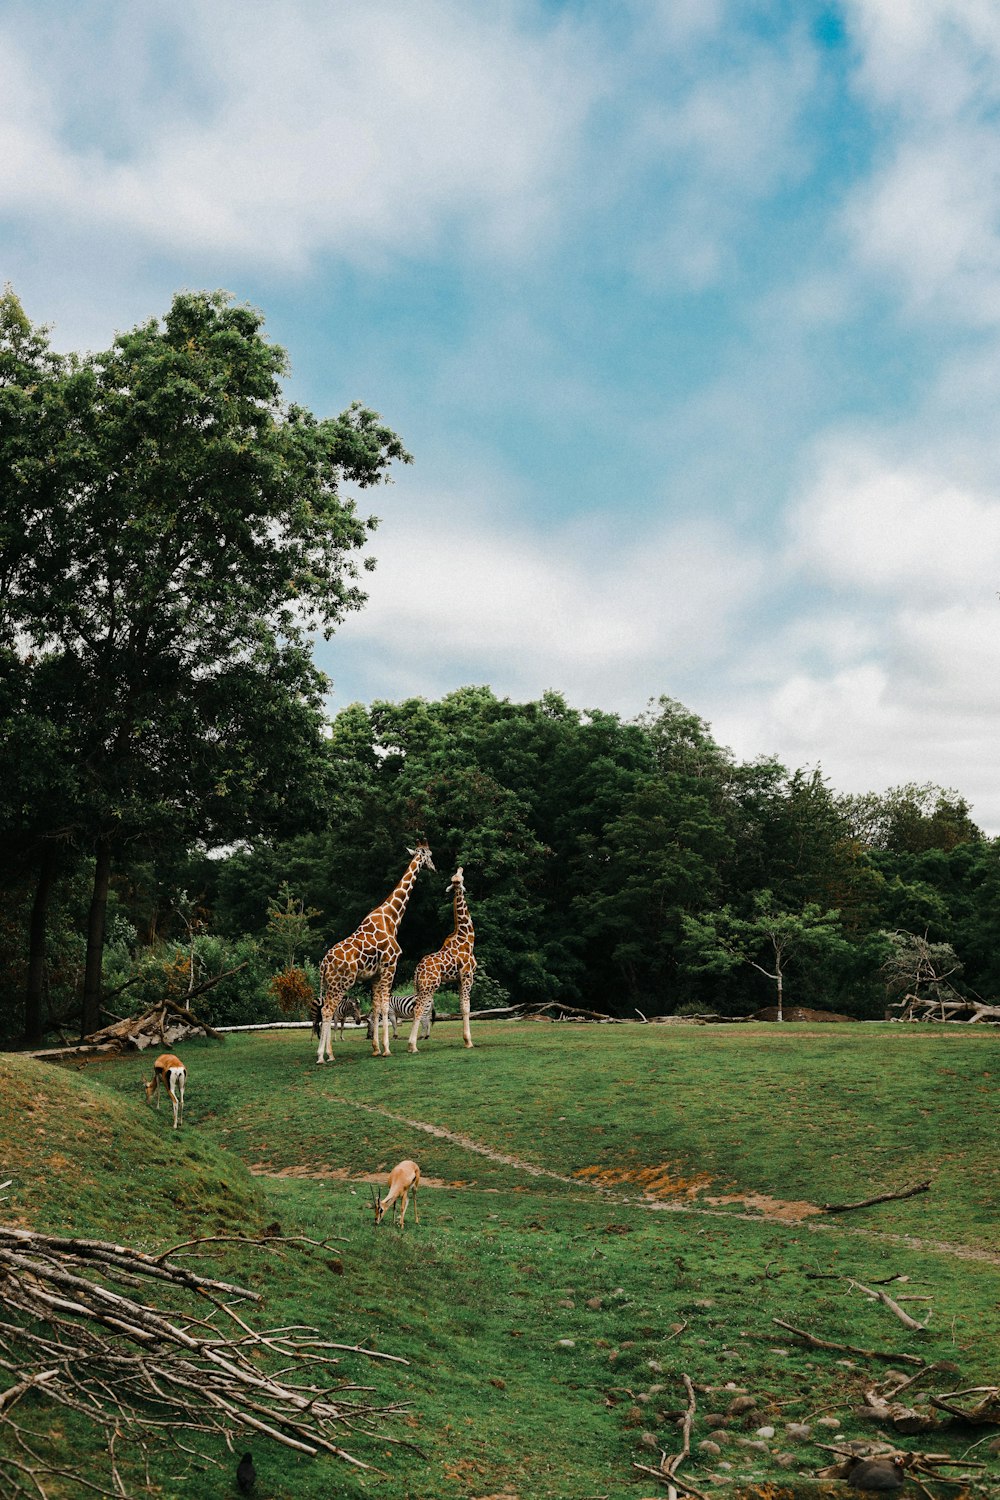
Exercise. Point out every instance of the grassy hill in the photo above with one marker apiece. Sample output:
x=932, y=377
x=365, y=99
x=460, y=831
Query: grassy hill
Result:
x=605, y=1209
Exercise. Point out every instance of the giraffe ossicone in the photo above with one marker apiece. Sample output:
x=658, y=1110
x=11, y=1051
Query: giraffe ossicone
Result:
x=371, y=952
x=455, y=961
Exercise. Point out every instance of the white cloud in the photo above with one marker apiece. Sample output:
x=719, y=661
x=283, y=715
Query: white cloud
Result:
x=380, y=131
x=608, y=621
x=892, y=531
x=929, y=216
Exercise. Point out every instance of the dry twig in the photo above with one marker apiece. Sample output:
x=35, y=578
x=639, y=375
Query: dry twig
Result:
x=844, y=1208
x=102, y=1330
x=818, y=1343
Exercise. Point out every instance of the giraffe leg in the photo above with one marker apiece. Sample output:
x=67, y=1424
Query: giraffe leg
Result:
x=464, y=1002
x=422, y=1007
x=381, y=991
x=330, y=998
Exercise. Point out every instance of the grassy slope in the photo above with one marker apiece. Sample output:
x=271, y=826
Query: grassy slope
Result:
x=506, y=1265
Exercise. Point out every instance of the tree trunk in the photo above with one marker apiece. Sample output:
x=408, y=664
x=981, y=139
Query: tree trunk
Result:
x=95, y=940
x=35, y=988
x=777, y=976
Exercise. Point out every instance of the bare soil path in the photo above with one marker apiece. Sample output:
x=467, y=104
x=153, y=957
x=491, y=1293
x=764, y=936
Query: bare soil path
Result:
x=659, y=1191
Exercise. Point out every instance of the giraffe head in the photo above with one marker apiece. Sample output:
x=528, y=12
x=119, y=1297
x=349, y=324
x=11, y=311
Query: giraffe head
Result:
x=422, y=854
x=456, y=883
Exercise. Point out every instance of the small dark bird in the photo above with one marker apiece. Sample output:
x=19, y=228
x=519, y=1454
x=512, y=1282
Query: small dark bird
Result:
x=877, y=1474
x=246, y=1474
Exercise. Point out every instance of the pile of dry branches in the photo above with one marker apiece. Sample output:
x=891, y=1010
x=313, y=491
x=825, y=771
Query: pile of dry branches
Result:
x=944, y=1008
x=151, y=1351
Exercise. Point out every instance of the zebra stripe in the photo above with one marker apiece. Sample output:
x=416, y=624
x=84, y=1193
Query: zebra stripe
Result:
x=345, y=1008
x=403, y=1008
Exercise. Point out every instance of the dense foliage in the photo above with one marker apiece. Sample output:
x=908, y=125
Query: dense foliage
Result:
x=174, y=806
x=620, y=865
x=173, y=531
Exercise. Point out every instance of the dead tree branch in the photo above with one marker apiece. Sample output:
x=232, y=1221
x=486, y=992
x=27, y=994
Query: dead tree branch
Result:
x=844, y=1208
x=818, y=1343
x=879, y=1296
x=109, y=1332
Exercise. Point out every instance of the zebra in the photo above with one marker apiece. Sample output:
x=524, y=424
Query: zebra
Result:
x=347, y=1009
x=401, y=1008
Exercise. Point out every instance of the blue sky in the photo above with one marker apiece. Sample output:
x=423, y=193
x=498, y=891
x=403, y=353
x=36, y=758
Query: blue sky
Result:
x=688, y=311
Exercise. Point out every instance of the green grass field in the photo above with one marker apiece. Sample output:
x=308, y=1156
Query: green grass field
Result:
x=604, y=1210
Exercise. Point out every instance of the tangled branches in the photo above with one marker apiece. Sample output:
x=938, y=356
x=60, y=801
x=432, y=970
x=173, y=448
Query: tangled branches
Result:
x=109, y=1332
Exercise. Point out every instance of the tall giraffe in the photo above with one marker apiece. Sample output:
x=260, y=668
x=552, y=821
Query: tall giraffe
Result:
x=455, y=960
x=369, y=953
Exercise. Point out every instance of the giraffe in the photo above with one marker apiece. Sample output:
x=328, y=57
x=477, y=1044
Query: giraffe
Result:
x=369, y=953
x=455, y=960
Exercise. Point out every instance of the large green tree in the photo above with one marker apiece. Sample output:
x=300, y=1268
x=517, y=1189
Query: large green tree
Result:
x=180, y=536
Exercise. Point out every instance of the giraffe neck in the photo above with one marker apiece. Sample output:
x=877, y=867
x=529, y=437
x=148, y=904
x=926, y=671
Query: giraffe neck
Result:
x=395, y=905
x=463, y=919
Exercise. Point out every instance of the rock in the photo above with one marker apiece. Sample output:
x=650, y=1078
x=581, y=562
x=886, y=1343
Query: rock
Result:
x=801, y=1431
x=633, y=1417
x=741, y=1404
x=764, y=1432
x=567, y=1343
x=711, y=1449
x=993, y=1447
x=756, y=1444
x=715, y=1419
x=785, y=1460
x=878, y=1474
x=727, y=1467
x=649, y=1440
x=831, y=1422
x=594, y=1303
x=566, y=1302
x=655, y=1366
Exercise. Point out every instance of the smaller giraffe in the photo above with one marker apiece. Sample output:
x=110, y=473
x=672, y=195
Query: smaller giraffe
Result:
x=371, y=952
x=455, y=960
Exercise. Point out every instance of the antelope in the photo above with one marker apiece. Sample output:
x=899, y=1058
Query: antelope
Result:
x=403, y=1179
x=171, y=1072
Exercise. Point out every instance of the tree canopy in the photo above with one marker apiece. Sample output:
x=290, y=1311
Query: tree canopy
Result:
x=176, y=532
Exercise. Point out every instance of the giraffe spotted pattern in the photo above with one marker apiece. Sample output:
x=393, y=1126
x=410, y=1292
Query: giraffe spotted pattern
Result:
x=454, y=962
x=371, y=952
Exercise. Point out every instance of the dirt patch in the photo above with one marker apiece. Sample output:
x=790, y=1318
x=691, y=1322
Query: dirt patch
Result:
x=341, y=1174
x=771, y=1208
x=799, y=1013
x=665, y=1183
x=657, y=1182
x=766, y=1207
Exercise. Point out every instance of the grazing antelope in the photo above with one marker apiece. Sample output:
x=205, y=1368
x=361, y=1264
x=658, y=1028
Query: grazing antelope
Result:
x=403, y=1180
x=171, y=1072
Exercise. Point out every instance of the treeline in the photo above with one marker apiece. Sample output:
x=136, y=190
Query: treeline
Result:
x=620, y=865
x=175, y=807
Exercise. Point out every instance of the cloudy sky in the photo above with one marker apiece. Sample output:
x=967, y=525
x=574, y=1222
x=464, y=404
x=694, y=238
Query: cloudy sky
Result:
x=689, y=311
